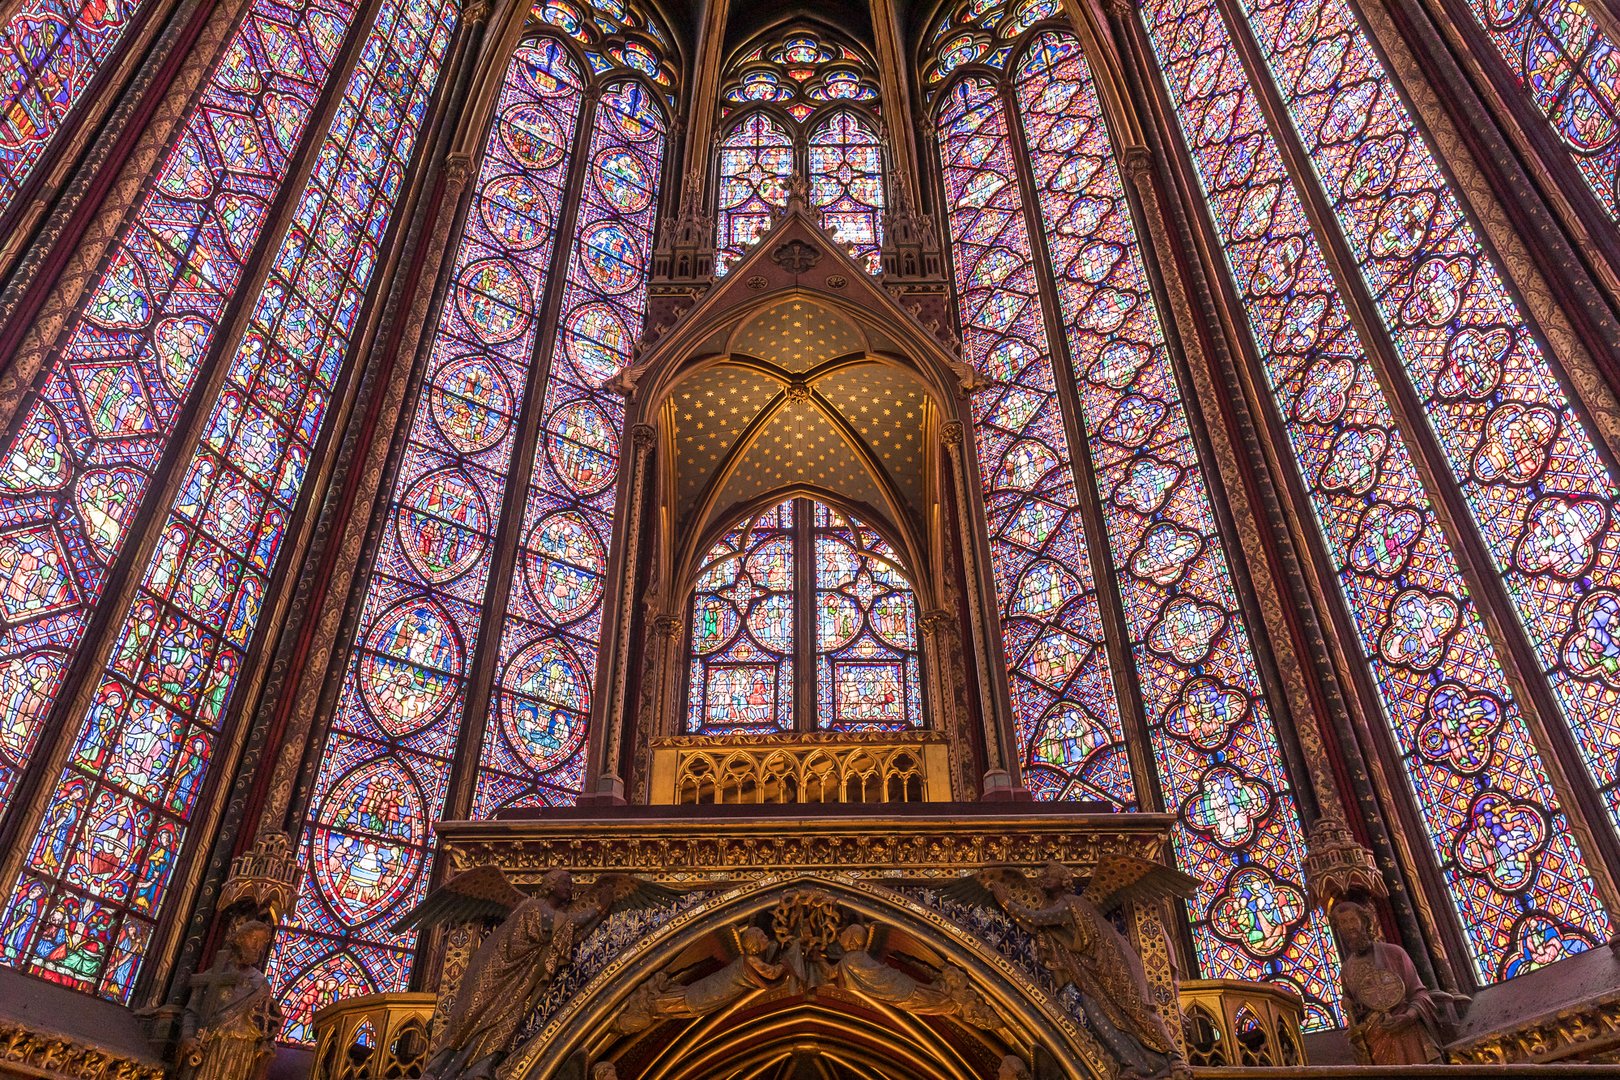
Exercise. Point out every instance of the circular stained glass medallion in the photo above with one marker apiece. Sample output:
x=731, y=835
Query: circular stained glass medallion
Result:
x=564, y=564
x=515, y=211
x=612, y=258
x=492, y=296
x=596, y=343
x=532, y=136
x=544, y=699
x=443, y=525
x=583, y=447
x=471, y=403
x=367, y=840
x=623, y=181
x=408, y=666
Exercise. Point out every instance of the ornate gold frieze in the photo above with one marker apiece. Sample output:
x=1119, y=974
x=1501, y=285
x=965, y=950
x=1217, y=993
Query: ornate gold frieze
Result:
x=943, y=844
x=373, y=1037
x=690, y=770
x=49, y=1054
x=1589, y=1032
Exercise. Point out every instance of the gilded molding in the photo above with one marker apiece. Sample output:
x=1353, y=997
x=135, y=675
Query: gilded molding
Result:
x=61, y=1056
x=1588, y=1032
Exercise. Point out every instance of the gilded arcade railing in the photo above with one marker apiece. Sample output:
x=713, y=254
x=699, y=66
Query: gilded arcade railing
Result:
x=827, y=767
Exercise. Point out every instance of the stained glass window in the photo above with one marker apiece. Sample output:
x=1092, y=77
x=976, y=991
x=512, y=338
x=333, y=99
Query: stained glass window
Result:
x=756, y=160
x=809, y=83
x=979, y=32
x=867, y=674
x=386, y=765
x=744, y=623
x=802, y=605
x=846, y=184
x=96, y=871
x=81, y=457
x=1215, y=743
x=533, y=751
x=1524, y=458
x=51, y=53
x=1514, y=872
x=1569, y=66
x=1065, y=703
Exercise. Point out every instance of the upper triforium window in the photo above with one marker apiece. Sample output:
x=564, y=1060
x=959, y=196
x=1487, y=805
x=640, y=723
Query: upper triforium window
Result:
x=802, y=620
x=803, y=104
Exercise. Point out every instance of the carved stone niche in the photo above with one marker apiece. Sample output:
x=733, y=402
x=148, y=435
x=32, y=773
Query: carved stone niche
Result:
x=796, y=931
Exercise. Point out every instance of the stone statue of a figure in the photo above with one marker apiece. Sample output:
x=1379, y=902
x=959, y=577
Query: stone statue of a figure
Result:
x=231, y=1018
x=1394, y=1018
x=535, y=939
x=660, y=998
x=1082, y=948
x=949, y=995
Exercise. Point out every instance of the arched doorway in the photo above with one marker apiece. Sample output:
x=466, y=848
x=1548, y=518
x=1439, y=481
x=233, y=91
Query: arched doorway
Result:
x=859, y=981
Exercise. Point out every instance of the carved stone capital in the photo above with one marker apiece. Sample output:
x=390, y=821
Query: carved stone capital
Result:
x=1138, y=163
x=666, y=625
x=642, y=437
x=458, y=169
x=950, y=433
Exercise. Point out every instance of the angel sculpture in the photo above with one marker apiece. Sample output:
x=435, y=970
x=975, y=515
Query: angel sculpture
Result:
x=949, y=995
x=660, y=998
x=1080, y=946
x=535, y=938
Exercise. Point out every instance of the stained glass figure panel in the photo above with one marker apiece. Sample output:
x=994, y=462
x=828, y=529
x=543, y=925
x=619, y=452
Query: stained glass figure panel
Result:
x=846, y=184
x=756, y=160
x=1525, y=459
x=81, y=456
x=1065, y=702
x=744, y=629
x=1215, y=744
x=51, y=53
x=96, y=872
x=386, y=765
x=1515, y=874
x=867, y=673
x=534, y=742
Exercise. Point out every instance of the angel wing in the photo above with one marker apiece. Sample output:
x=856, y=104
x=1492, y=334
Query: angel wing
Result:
x=626, y=892
x=482, y=893
x=1119, y=878
x=974, y=888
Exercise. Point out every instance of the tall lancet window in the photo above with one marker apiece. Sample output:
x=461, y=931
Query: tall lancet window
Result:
x=802, y=619
x=453, y=683
x=800, y=104
x=1568, y=62
x=1056, y=306
x=1441, y=318
x=99, y=864
x=50, y=54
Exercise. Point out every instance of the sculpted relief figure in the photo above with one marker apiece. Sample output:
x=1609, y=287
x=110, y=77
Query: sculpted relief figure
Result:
x=949, y=995
x=231, y=1017
x=660, y=999
x=1395, y=1019
x=1082, y=948
x=508, y=974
